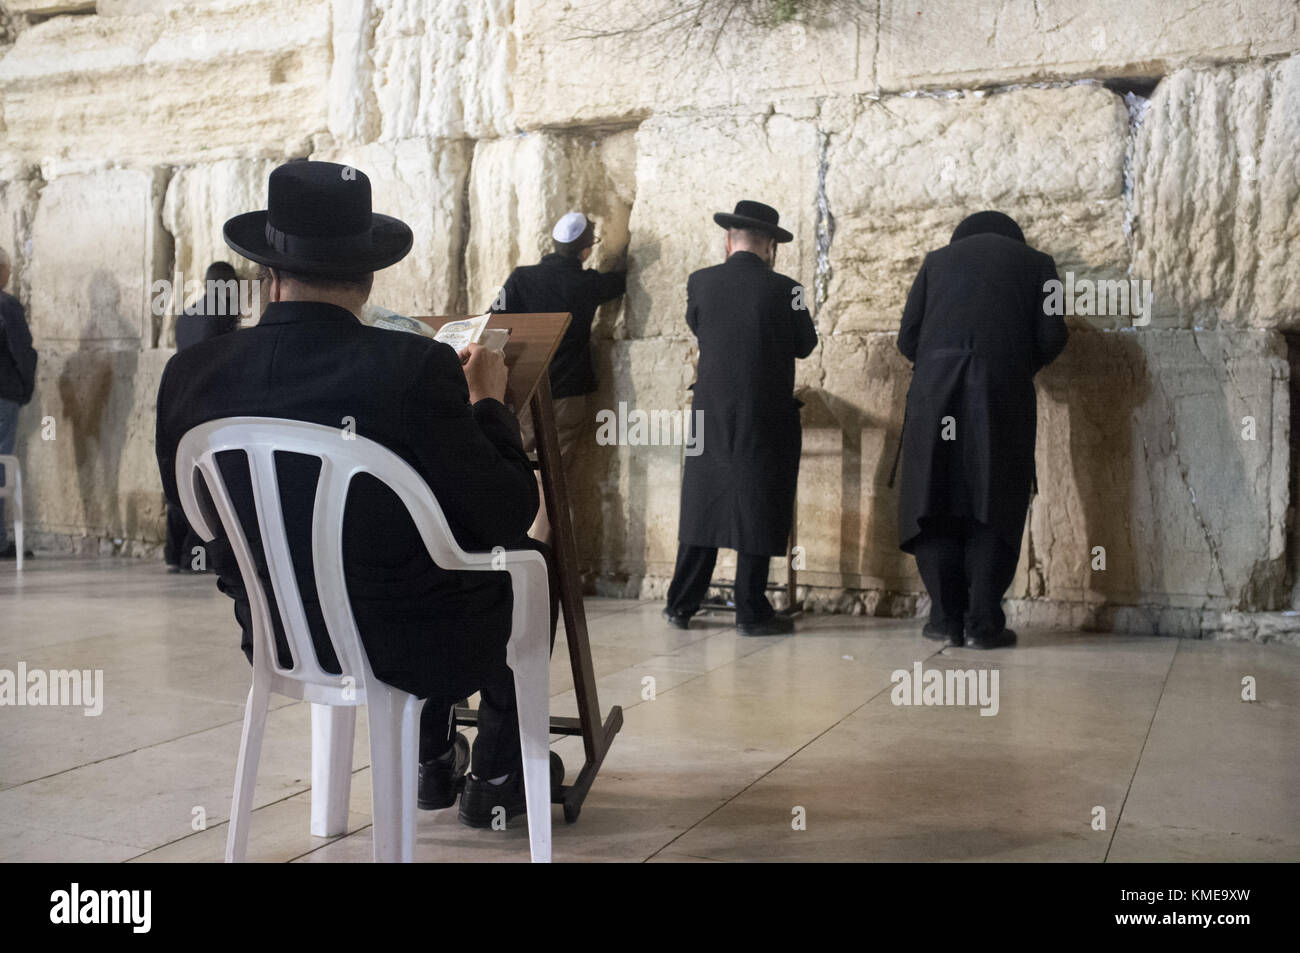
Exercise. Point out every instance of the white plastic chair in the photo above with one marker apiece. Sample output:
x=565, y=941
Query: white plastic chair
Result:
x=394, y=720
x=12, y=488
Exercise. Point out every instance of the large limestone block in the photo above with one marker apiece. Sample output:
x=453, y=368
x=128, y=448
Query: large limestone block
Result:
x=422, y=182
x=412, y=68
x=96, y=479
x=1143, y=450
x=902, y=172
x=200, y=198
x=19, y=189
x=98, y=244
x=46, y=8
x=131, y=8
x=1218, y=196
x=847, y=512
x=520, y=187
x=955, y=43
x=628, y=496
x=593, y=61
x=690, y=167
x=247, y=78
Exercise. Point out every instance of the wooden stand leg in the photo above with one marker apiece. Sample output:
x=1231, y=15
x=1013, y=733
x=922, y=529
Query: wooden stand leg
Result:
x=791, y=573
x=596, y=737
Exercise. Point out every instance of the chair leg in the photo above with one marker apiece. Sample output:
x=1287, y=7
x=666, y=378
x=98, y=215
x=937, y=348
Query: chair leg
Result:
x=394, y=755
x=531, y=664
x=18, y=515
x=333, y=728
x=250, y=752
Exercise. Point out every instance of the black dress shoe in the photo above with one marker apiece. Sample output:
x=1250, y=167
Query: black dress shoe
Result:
x=776, y=625
x=441, y=781
x=479, y=803
x=1000, y=640
x=677, y=621
x=941, y=635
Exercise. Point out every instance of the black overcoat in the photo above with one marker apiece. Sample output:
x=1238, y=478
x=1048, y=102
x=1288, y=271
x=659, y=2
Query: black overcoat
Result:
x=752, y=323
x=975, y=329
x=425, y=630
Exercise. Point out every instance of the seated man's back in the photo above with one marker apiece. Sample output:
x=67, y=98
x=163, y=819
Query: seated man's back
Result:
x=316, y=362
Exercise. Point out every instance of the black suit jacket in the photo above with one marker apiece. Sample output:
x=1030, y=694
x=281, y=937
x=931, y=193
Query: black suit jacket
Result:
x=426, y=630
x=559, y=284
x=975, y=329
x=752, y=323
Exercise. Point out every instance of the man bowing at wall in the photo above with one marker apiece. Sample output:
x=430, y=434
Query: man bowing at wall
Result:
x=976, y=332
x=738, y=492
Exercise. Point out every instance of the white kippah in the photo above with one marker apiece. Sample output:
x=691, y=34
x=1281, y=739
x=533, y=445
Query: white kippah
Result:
x=570, y=227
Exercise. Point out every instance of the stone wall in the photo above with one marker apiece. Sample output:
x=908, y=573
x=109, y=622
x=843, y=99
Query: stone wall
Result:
x=1130, y=140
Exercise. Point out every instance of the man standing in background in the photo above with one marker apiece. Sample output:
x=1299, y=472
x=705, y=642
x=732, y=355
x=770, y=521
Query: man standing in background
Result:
x=738, y=493
x=17, y=381
x=976, y=331
x=212, y=314
x=560, y=283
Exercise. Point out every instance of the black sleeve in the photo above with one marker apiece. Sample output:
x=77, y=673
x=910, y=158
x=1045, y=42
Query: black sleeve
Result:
x=164, y=445
x=13, y=326
x=805, y=332
x=909, y=332
x=692, y=309
x=471, y=456
x=606, y=286
x=1050, y=333
x=16, y=347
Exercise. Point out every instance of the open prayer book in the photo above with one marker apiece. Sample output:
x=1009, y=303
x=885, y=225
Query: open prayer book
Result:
x=456, y=334
x=474, y=330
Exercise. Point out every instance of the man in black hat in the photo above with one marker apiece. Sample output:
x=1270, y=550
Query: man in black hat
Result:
x=977, y=332
x=213, y=313
x=560, y=283
x=751, y=323
x=436, y=634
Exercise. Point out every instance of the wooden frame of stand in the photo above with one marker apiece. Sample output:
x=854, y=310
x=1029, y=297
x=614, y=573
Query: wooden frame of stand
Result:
x=544, y=335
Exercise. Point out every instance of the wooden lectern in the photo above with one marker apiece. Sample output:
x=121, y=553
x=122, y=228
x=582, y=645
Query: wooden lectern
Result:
x=533, y=342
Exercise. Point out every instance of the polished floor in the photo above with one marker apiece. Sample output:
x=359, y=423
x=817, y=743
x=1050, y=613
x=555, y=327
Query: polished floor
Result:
x=1103, y=747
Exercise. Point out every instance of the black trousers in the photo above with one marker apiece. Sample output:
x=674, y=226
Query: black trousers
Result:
x=181, y=539
x=694, y=572
x=496, y=746
x=966, y=568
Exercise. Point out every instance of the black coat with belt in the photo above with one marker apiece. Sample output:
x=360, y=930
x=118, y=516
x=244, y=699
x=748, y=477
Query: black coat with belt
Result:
x=975, y=329
x=751, y=323
x=425, y=630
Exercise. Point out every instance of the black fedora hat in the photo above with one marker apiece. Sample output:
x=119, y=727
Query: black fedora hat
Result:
x=319, y=222
x=754, y=215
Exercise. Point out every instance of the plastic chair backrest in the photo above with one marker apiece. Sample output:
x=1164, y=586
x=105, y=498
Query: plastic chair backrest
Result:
x=342, y=456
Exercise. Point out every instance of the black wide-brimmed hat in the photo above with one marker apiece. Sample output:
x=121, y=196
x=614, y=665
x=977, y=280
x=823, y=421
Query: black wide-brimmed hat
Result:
x=754, y=215
x=319, y=222
x=989, y=221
